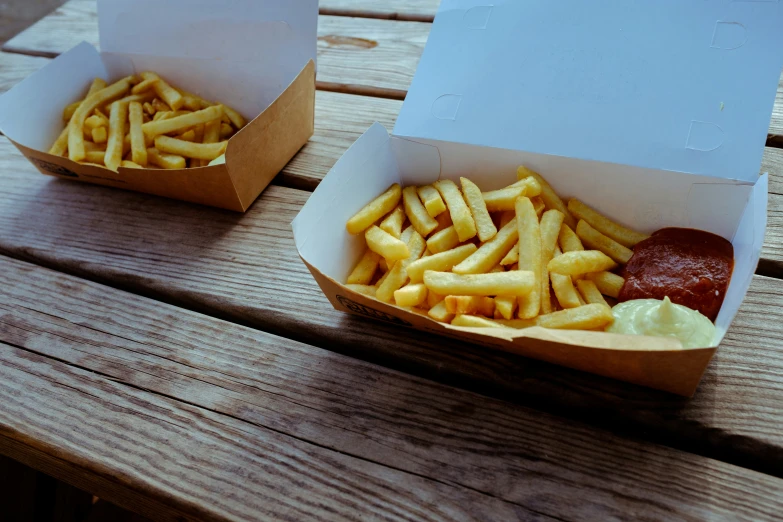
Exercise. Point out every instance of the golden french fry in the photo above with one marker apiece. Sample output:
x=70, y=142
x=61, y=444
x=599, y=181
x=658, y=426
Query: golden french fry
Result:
x=512, y=256
x=189, y=135
x=393, y=222
x=187, y=149
x=367, y=290
x=550, y=197
x=160, y=106
x=444, y=221
x=60, y=145
x=226, y=131
x=70, y=110
x=432, y=200
x=505, y=305
x=458, y=209
x=406, y=234
x=490, y=253
x=584, y=262
x=95, y=156
x=440, y=262
x=365, y=269
x=398, y=274
x=195, y=102
x=417, y=214
x=568, y=240
x=94, y=121
x=164, y=161
x=564, y=288
x=506, y=216
x=550, y=230
x=180, y=123
x=607, y=283
x=375, y=210
x=117, y=118
x=130, y=165
x=149, y=109
x=410, y=295
x=505, y=198
x=473, y=321
x=433, y=298
x=236, y=119
x=597, y=241
x=386, y=245
x=439, y=313
x=91, y=146
x=96, y=85
x=166, y=92
x=590, y=292
x=76, y=150
x=144, y=86
x=138, y=142
x=604, y=225
x=539, y=205
x=517, y=323
x=514, y=283
x=470, y=304
x=381, y=280
x=446, y=239
x=530, y=256
x=484, y=225
x=587, y=317
x=134, y=98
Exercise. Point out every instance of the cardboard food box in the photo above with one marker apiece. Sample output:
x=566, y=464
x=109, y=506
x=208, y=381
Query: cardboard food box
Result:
x=256, y=56
x=654, y=113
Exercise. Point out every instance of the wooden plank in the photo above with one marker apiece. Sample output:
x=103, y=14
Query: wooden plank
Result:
x=346, y=430
x=416, y=10
x=245, y=268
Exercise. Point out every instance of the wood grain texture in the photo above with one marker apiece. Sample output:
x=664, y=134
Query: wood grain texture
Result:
x=416, y=10
x=245, y=268
x=319, y=427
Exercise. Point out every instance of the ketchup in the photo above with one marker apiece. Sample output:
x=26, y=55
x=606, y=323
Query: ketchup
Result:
x=692, y=267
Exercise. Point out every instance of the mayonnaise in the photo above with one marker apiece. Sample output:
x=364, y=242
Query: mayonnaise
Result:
x=663, y=319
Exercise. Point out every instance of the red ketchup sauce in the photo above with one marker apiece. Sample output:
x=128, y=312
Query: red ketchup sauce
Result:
x=690, y=266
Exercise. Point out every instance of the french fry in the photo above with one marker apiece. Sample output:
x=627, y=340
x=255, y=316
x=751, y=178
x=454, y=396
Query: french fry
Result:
x=432, y=200
x=69, y=110
x=517, y=323
x=393, y=222
x=460, y=214
x=490, y=253
x=164, y=161
x=381, y=280
x=365, y=269
x=180, y=123
x=188, y=149
x=236, y=119
x=166, y=92
x=550, y=197
x=512, y=256
x=584, y=262
x=95, y=156
x=144, y=86
x=597, y=241
x=433, y=298
x=538, y=205
x=587, y=317
x=60, y=145
x=604, y=225
x=440, y=262
x=91, y=146
x=506, y=216
x=446, y=239
x=417, y=214
x=133, y=98
x=411, y=295
x=149, y=109
x=590, y=292
x=505, y=306
x=472, y=321
x=138, y=142
x=514, y=283
x=117, y=118
x=470, y=304
x=375, y=210
x=386, y=245
x=505, y=198
x=439, y=313
x=130, y=165
x=444, y=221
x=189, y=136
x=564, y=288
x=76, y=150
x=367, y=290
x=94, y=121
x=550, y=230
x=485, y=227
x=226, y=131
x=530, y=254
x=568, y=240
x=96, y=85
x=607, y=283
x=406, y=234
x=398, y=274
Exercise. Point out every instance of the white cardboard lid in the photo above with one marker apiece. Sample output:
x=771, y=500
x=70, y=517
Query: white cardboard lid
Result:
x=233, y=30
x=685, y=86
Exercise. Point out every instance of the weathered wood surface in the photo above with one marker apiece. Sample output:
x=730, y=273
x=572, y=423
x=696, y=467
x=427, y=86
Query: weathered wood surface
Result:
x=416, y=10
x=225, y=422
x=355, y=55
x=245, y=268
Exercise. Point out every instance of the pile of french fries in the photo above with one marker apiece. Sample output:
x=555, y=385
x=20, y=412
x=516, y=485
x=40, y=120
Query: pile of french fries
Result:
x=142, y=121
x=515, y=257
